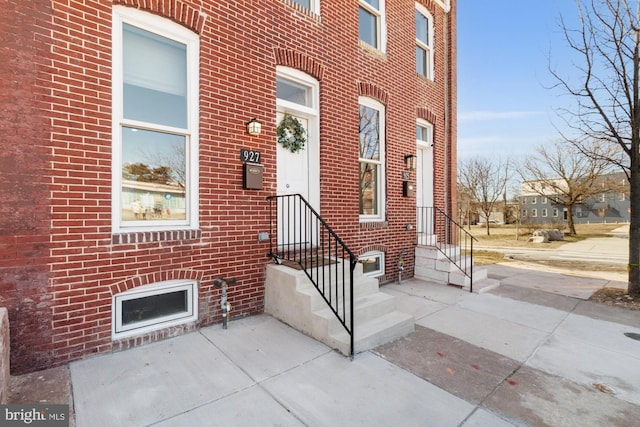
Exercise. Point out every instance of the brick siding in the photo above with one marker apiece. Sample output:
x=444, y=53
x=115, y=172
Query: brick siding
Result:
x=61, y=263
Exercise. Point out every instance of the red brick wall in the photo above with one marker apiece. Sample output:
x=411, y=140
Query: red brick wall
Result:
x=24, y=166
x=64, y=264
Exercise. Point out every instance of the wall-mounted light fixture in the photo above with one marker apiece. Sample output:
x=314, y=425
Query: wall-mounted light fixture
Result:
x=411, y=161
x=254, y=127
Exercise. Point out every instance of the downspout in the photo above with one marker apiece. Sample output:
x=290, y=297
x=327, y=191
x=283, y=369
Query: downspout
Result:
x=447, y=132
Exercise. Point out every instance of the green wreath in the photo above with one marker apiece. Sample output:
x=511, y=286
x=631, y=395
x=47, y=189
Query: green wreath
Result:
x=291, y=134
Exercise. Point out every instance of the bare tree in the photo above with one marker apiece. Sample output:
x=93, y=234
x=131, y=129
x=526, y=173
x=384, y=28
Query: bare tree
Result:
x=565, y=175
x=486, y=181
x=466, y=205
x=606, y=89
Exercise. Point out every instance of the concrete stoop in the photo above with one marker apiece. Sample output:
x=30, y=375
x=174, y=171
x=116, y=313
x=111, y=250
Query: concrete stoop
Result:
x=432, y=265
x=292, y=298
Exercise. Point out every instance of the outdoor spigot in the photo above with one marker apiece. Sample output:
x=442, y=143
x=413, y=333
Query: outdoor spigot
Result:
x=224, y=302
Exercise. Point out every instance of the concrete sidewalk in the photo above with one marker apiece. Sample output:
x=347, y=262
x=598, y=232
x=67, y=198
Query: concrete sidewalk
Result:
x=516, y=356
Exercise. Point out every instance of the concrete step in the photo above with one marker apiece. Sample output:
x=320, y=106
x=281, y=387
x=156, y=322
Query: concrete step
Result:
x=458, y=278
x=366, y=308
x=482, y=286
x=375, y=332
x=302, y=307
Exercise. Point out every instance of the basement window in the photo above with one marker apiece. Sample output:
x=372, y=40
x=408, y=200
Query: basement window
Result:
x=155, y=306
x=372, y=263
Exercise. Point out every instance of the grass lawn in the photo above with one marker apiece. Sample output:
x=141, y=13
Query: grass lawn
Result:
x=505, y=235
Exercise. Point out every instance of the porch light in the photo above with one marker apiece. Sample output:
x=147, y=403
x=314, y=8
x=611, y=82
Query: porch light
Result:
x=254, y=127
x=411, y=161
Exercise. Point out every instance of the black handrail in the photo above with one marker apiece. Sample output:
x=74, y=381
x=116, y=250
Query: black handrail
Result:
x=436, y=228
x=299, y=234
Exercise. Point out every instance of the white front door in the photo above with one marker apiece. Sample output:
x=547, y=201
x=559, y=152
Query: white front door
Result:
x=424, y=194
x=297, y=173
x=293, y=168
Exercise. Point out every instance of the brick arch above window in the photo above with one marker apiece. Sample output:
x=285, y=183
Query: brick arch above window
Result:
x=430, y=5
x=426, y=114
x=175, y=10
x=161, y=276
x=371, y=90
x=299, y=61
x=372, y=248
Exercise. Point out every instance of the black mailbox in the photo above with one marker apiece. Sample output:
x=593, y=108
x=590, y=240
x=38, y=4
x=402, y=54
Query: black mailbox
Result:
x=252, y=176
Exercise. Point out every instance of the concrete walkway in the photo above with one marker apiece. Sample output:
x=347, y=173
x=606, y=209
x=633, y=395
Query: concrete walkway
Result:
x=520, y=355
x=512, y=357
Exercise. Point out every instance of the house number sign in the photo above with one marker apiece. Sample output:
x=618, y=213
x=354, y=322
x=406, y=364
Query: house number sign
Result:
x=250, y=156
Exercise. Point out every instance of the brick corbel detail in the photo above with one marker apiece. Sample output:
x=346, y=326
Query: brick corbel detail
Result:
x=175, y=10
x=373, y=91
x=160, y=276
x=372, y=248
x=299, y=61
x=426, y=114
x=429, y=4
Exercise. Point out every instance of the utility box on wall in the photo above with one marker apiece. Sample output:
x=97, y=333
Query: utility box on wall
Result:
x=252, y=176
x=408, y=189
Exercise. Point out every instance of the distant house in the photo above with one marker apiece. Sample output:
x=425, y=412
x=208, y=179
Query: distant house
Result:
x=611, y=205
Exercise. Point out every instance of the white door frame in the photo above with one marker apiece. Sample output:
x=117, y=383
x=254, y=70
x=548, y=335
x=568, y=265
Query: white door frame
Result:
x=424, y=185
x=312, y=114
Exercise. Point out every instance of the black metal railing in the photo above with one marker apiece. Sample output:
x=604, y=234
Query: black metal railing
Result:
x=436, y=228
x=301, y=237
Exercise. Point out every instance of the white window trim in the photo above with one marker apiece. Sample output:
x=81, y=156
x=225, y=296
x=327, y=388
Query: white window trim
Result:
x=431, y=36
x=555, y=212
x=544, y=212
x=381, y=23
x=169, y=29
x=534, y=213
x=119, y=331
x=372, y=103
x=314, y=6
x=534, y=200
x=374, y=254
x=425, y=124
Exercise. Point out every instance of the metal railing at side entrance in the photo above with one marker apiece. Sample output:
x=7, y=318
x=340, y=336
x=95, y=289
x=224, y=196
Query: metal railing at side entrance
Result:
x=301, y=238
x=437, y=229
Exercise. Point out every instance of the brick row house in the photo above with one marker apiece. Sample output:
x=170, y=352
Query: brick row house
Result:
x=130, y=179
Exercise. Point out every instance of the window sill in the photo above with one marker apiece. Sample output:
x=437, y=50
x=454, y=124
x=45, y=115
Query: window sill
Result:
x=374, y=224
x=374, y=51
x=154, y=236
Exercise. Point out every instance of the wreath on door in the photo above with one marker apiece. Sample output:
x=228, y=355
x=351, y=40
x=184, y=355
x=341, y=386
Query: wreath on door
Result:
x=291, y=133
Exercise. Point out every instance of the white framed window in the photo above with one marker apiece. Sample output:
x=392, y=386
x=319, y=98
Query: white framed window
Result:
x=579, y=212
x=545, y=200
x=155, y=306
x=371, y=23
x=424, y=42
x=371, y=160
x=555, y=212
x=311, y=5
x=424, y=133
x=623, y=197
x=524, y=213
x=544, y=212
x=534, y=200
x=534, y=213
x=372, y=263
x=155, y=123
x=603, y=197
